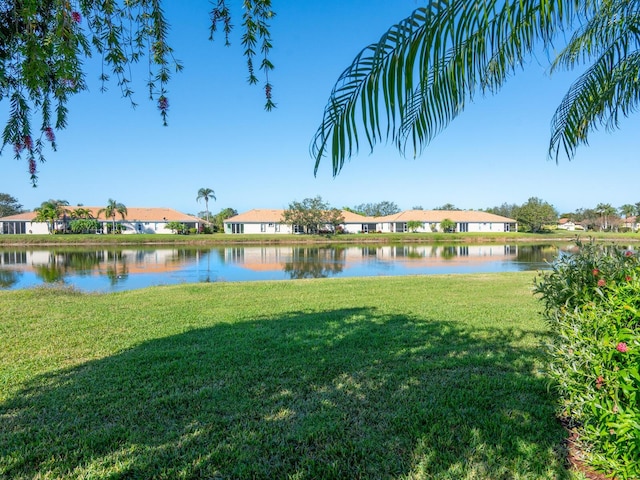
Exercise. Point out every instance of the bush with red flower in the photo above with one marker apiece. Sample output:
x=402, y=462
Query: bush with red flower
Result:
x=592, y=305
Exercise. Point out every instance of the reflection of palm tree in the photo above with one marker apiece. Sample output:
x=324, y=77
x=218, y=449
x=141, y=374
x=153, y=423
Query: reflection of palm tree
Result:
x=111, y=210
x=52, y=271
x=8, y=278
x=206, y=194
x=118, y=270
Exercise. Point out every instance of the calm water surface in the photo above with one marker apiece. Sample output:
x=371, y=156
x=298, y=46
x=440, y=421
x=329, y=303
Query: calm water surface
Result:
x=108, y=269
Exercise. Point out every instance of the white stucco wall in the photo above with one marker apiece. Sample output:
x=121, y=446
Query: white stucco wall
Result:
x=264, y=228
x=37, y=228
x=484, y=227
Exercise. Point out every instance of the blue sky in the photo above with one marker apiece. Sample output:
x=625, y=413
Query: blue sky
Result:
x=220, y=137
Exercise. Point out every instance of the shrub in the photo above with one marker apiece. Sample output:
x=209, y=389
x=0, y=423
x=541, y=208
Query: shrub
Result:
x=592, y=304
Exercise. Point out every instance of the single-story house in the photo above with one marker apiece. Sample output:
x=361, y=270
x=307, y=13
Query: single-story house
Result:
x=137, y=220
x=430, y=221
x=566, y=224
x=271, y=221
x=631, y=223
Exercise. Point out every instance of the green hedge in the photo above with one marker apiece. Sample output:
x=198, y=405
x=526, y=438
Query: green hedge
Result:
x=592, y=304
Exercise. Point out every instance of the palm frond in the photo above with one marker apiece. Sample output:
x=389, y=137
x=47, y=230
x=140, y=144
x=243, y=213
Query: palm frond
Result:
x=607, y=90
x=610, y=41
x=612, y=23
x=424, y=70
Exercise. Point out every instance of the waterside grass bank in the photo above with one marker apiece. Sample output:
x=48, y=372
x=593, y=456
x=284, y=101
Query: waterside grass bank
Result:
x=270, y=239
x=396, y=377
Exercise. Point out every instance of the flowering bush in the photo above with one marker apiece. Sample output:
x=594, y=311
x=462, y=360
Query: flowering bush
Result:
x=592, y=304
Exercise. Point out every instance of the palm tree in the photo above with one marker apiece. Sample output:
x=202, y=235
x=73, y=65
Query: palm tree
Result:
x=111, y=210
x=423, y=71
x=605, y=210
x=50, y=211
x=81, y=212
x=627, y=210
x=206, y=194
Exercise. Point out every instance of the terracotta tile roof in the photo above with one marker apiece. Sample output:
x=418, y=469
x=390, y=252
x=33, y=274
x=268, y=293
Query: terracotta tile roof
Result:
x=258, y=215
x=140, y=214
x=436, y=216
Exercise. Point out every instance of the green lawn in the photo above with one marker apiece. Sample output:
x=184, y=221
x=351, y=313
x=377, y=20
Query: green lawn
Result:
x=433, y=377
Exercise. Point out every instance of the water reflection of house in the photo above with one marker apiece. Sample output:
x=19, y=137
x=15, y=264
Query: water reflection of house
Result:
x=137, y=220
x=96, y=261
x=274, y=258
x=271, y=221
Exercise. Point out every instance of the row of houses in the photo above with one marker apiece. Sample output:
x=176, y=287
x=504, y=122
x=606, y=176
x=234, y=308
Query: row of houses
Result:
x=137, y=220
x=265, y=221
x=270, y=221
x=630, y=223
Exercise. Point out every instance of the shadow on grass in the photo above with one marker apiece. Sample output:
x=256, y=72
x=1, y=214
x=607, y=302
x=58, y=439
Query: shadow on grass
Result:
x=338, y=394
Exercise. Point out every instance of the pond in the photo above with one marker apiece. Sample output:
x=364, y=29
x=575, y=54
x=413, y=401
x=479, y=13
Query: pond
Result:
x=108, y=269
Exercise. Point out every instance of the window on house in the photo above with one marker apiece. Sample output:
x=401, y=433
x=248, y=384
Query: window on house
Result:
x=463, y=227
x=263, y=227
x=277, y=227
x=237, y=228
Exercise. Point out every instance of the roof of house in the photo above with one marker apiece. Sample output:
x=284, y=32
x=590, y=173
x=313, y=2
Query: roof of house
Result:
x=258, y=215
x=436, y=216
x=134, y=214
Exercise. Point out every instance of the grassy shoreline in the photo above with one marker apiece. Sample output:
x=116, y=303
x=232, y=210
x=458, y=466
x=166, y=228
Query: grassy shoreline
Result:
x=380, y=238
x=394, y=377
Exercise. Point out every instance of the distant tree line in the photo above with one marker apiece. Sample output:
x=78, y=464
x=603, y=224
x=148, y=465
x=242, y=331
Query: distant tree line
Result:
x=536, y=214
x=9, y=205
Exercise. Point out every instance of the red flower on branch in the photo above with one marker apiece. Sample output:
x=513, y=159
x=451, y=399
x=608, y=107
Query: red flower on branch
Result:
x=163, y=103
x=595, y=272
x=48, y=132
x=76, y=16
x=622, y=347
x=602, y=282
